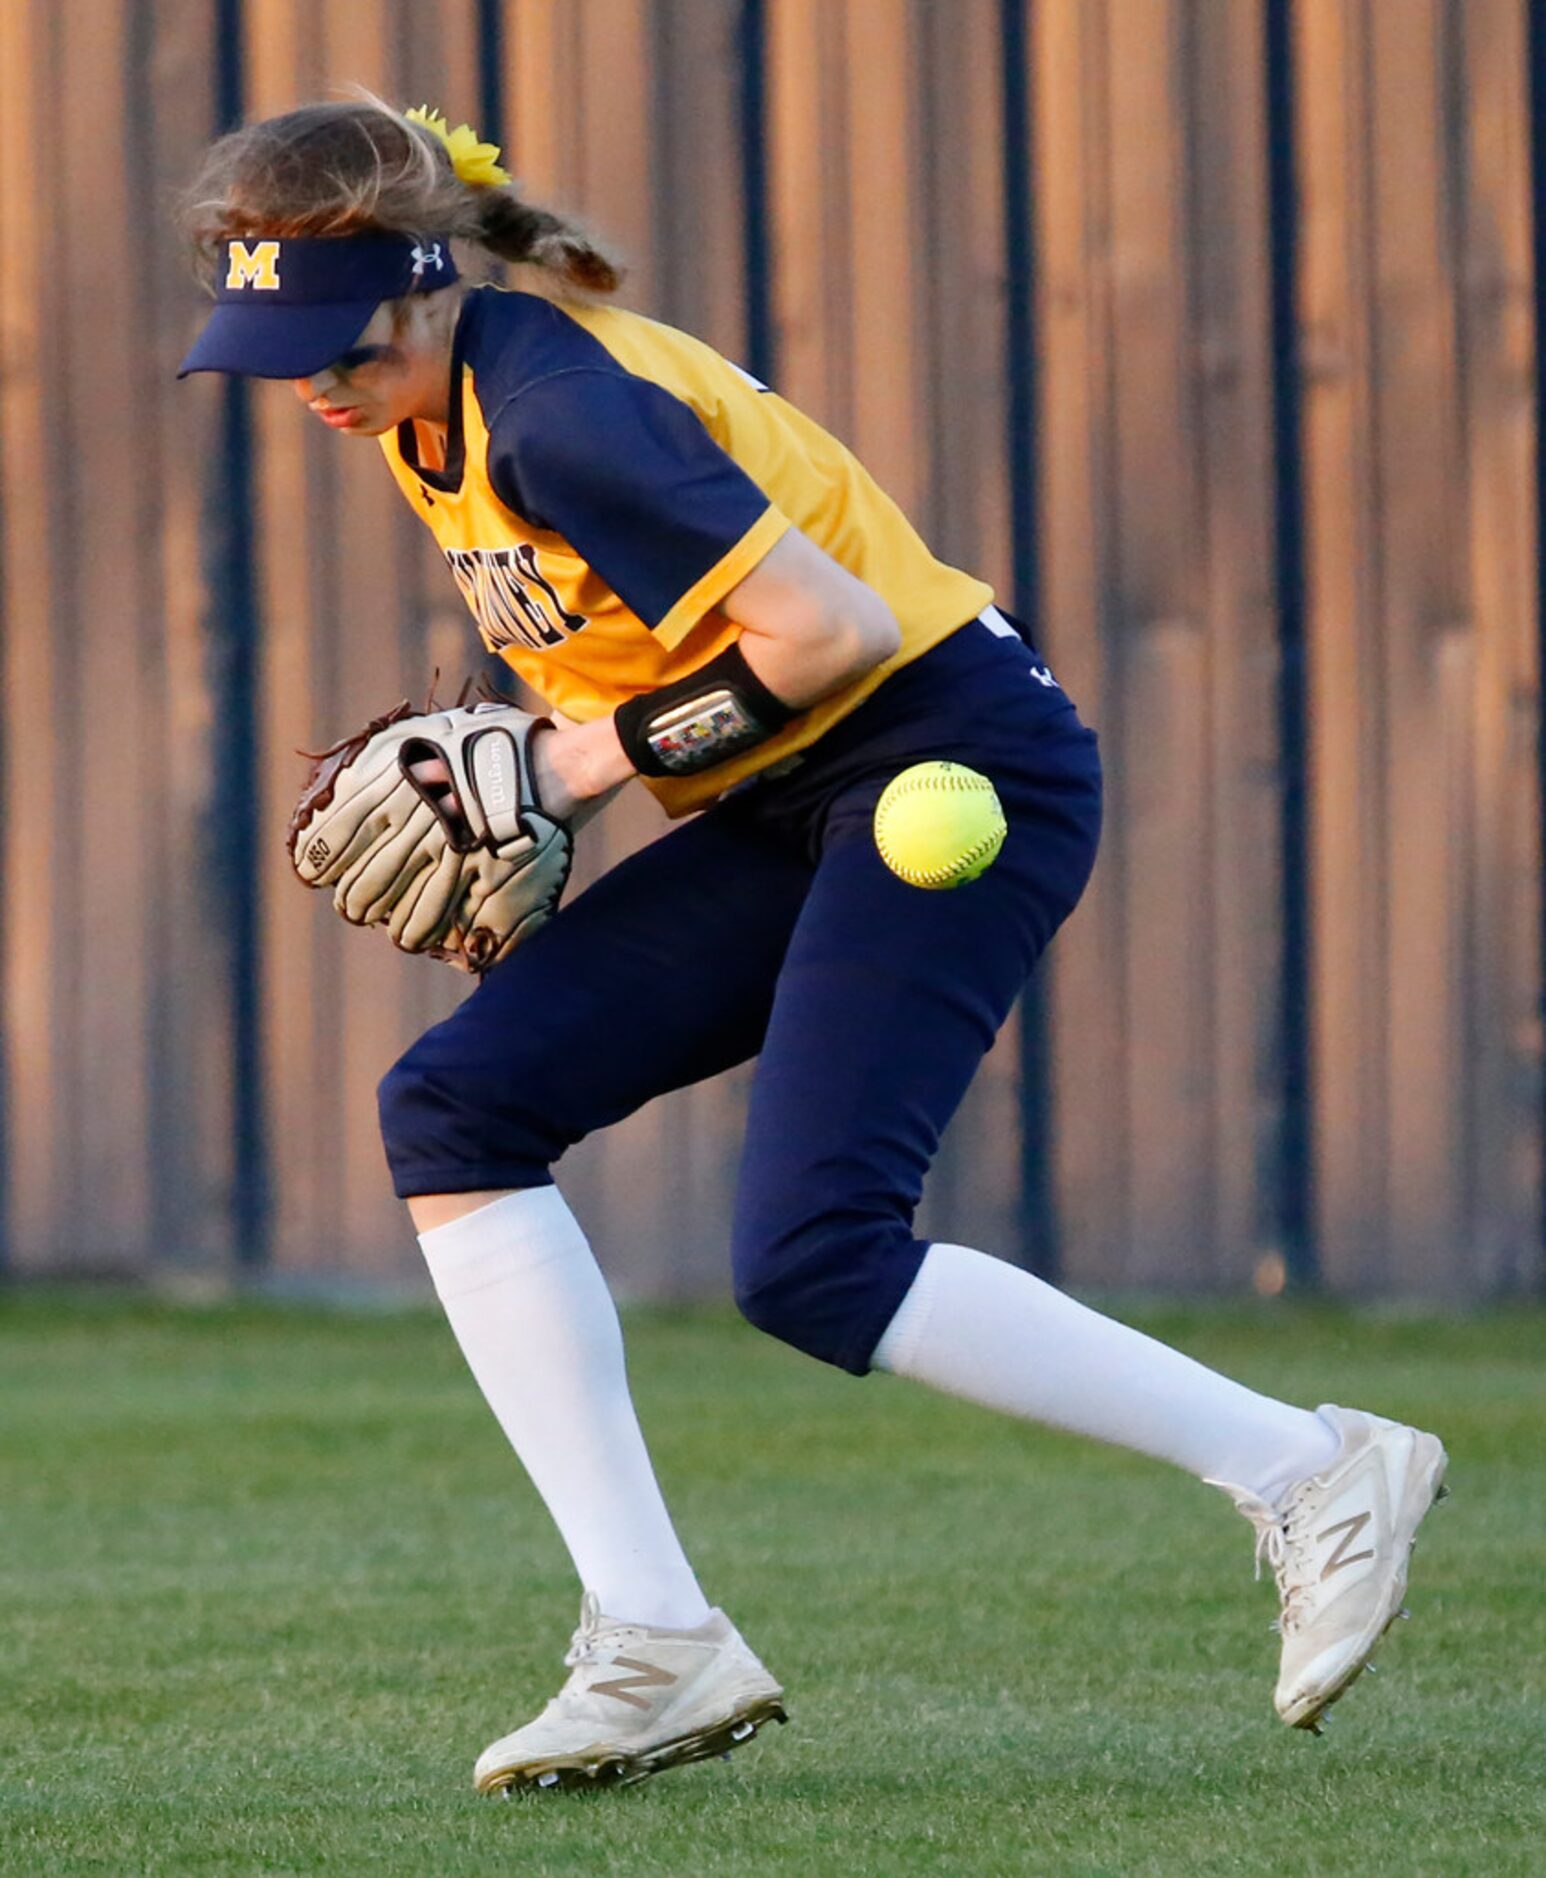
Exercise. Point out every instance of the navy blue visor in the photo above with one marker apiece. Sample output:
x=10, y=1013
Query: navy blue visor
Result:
x=285, y=308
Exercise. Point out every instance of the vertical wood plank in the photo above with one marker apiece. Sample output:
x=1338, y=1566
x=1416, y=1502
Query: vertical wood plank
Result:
x=808, y=185
x=1425, y=627
x=37, y=1198
x=1420, y=454
x=958, y=225
x=580, y=84
x=1157, y=507
x=190, y=1095
x=118, y=1092
x=697, y=209
x=885, y=268
x=1347, y=806
x=94, y=973
x=1162, y=652
x=1089, y=1005
x=1502, y=1249
x=1226, y=110
x=850, y=280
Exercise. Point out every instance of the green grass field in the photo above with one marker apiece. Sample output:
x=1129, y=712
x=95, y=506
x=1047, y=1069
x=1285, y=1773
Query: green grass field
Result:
x=271, y=1579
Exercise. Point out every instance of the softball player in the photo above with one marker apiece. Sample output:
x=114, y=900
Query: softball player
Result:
x=716, y=595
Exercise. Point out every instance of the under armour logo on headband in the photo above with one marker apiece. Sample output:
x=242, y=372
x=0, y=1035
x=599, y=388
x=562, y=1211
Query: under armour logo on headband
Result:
x=425, y=258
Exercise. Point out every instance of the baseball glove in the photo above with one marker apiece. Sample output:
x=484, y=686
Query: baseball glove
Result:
x=463, y=871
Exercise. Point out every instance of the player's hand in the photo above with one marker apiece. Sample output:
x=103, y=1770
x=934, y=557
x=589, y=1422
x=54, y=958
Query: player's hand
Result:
x=433, y=826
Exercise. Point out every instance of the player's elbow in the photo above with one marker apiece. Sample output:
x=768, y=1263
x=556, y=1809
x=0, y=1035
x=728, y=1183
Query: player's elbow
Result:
x=852, y=638
x=811, y=626
x=824, y=650
x=873, y=633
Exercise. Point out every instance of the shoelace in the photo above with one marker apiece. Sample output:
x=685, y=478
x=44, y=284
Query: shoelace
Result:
x=1280, y=1542
x=592, y=1637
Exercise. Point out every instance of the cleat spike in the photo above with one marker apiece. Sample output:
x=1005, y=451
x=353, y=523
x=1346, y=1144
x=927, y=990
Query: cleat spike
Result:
x=1404, y=1614
x=1371, y=1669
x=1442, y=1494
x=1315, y=1729
x=725, y=1756
x=547, y=1780
x=743, y=1731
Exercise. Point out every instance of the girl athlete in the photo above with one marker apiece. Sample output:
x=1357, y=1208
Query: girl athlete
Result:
x=645, y=533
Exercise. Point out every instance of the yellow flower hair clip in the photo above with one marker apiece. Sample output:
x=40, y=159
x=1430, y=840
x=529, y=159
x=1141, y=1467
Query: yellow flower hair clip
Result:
x=474, y=161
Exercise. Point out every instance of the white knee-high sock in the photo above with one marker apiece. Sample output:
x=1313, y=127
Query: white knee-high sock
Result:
x=537, y=1325
x=979, y=1328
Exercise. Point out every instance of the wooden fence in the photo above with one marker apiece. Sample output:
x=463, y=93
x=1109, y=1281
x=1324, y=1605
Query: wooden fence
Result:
x=1205, y=329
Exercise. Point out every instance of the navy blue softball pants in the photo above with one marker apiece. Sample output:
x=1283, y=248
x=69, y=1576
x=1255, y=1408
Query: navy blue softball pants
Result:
x=770, y=927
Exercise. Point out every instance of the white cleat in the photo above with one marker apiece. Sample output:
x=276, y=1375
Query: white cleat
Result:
x=1338, y=1544
x=639, y=1699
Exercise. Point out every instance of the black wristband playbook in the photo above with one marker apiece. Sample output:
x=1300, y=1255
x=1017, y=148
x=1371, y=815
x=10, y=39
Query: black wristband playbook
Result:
x=700, y=720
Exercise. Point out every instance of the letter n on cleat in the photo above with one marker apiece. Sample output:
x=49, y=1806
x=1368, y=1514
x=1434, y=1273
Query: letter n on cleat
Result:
x=648, y=1676
x=1350, y=1529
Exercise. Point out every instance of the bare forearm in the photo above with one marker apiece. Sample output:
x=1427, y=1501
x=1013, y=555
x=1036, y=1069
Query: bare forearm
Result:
x=808, y=628
x=580, y=767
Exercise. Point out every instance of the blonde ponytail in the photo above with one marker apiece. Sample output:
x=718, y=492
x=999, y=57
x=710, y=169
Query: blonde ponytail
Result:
x=518, y=231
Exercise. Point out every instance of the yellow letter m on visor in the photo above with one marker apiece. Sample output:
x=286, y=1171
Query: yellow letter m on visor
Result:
x=287, y=307
x=253, y=265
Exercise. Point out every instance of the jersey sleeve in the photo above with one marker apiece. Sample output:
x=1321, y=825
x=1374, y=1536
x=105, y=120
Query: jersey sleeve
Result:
x=627, y=473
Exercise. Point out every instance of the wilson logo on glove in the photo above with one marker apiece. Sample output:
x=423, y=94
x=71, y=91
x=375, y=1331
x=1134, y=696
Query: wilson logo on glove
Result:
x=430, y=825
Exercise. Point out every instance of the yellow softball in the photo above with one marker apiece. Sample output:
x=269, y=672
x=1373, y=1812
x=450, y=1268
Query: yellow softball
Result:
x=939, y=825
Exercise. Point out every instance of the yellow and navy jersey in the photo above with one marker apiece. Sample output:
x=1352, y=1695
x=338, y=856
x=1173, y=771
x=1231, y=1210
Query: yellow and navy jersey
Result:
x=608, y=480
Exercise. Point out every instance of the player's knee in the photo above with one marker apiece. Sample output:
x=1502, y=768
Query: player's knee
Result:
x=766, y=1304
x=813, y=1284
x=404, y=1107
x=399, y=1096
x=439, y=1124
